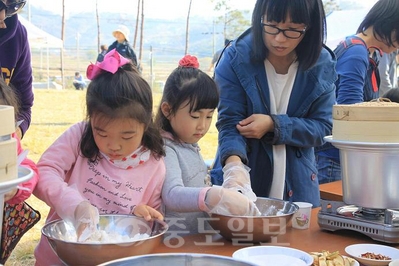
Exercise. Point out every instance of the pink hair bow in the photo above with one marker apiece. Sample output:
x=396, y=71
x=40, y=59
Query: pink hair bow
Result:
x=112, y=61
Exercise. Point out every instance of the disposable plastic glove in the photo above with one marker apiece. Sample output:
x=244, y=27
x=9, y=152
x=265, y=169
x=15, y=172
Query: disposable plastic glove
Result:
x=236, y=176
x=230, y=202
x=86, y=220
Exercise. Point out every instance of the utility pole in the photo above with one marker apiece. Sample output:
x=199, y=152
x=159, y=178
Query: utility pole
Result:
x=152, y=76
x=214, y=33
x=77, y=49
x=213, y=39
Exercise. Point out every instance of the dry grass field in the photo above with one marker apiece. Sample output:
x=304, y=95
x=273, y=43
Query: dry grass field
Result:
x=53, y=112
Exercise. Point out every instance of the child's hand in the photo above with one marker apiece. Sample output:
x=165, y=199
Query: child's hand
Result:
x=86, y=220
x=9, y=195
x=147, y=212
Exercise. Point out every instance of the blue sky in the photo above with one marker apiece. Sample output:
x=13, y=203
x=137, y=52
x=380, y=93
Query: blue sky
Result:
x=165, y=9
x=152, y=8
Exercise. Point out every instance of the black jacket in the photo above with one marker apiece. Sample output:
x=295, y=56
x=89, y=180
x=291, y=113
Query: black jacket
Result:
x=125, y=50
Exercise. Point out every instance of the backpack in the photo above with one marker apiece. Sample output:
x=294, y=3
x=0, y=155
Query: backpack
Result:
x=372, y=82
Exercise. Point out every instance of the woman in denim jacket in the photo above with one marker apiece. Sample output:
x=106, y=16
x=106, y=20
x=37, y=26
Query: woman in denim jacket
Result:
x=276, y=95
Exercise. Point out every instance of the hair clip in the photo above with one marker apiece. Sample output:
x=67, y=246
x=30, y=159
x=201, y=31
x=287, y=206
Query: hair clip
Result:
x=189, y=61
x=112, y=61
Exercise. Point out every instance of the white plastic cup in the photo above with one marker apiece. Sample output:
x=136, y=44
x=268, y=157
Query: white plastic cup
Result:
x=394, y=263
x=301, y=219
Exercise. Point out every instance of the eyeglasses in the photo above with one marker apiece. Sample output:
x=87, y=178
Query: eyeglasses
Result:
x=291, y=34
x=12, y=8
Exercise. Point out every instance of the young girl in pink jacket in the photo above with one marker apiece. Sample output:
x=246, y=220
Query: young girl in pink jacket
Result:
x=14, y=199
x=112, y=163
x=24, y=190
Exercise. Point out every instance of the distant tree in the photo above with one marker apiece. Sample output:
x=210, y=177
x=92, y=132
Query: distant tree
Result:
x=234, y=21
x=63, y=40
x=141, y=33
x=187, y=27
x=137, y=24
x=98, y=28
x=330, y=6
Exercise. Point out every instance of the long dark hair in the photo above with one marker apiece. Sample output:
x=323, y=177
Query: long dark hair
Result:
x=8, y=96
x=187, y=84
x=384, y=18
x=124, y=94
x=309, y=12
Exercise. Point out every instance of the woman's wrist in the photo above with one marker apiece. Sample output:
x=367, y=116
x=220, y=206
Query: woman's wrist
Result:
x=233, y=158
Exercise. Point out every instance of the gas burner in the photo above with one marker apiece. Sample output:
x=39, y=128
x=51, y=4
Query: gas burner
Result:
x=355, y=211
x=369, y=214
x=379, y=224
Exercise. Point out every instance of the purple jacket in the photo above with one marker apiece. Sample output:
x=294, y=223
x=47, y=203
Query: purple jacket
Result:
x=15, y=63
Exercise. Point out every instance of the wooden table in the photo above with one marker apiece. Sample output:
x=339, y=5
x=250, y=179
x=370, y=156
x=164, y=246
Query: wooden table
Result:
x=312, y=239
x=331, y=191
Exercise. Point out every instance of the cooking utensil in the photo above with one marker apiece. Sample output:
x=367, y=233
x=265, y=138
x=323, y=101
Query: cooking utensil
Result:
x=177, y=259
x=275, y=215
x=62, y=238
x=369, y=174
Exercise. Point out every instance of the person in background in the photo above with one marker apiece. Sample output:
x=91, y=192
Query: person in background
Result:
x=15, y=60
x=217, y=54
x=24, y=190
x=379, y=31
x=79, y=82
x=122, y=45
x=277, y=90
x=392, y=94
x=102, y=53
x=112, y=163
x=388, y=72
x=184, y=116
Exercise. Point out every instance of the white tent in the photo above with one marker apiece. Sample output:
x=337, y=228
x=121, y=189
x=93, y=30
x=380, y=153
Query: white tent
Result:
x=343, y=23
x=38, y=38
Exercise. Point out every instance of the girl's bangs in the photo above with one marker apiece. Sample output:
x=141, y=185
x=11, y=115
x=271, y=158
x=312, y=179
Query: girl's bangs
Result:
x=205, y=96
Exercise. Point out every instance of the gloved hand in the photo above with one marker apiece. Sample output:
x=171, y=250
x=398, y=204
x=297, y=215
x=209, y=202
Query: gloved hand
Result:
x=229, y=202
x=86, y=220
x=236, y=176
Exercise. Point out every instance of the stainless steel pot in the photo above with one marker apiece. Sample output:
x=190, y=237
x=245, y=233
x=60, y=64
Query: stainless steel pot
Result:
x=62, y=238
x=177, y=259
x=275, y=215
x=370, y=174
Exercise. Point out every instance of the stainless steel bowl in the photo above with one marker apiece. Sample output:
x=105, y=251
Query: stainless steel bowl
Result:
x=370, y=177
x=276, y=214
x=59, y=233
x=177, y=259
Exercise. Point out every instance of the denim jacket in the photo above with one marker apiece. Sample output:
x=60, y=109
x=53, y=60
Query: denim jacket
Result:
x=244, y=91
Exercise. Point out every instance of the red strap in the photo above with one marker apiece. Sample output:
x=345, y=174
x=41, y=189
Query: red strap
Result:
x=374, y=82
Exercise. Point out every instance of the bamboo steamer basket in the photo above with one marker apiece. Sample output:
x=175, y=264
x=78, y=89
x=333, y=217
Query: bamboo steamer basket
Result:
x=8, y=145
x=367, y=122
x=367, y=136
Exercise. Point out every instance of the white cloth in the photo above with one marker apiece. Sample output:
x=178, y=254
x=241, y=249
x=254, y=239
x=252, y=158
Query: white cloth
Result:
x=280, y=87
x=138, y=157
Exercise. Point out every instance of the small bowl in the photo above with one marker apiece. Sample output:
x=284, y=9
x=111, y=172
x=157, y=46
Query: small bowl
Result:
x=264, y=255
x=356, y=251
x=276, y=214
x=62, y=238
x=177, y=259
